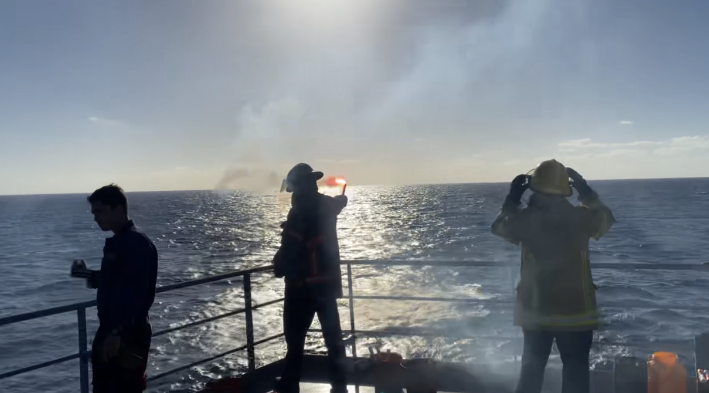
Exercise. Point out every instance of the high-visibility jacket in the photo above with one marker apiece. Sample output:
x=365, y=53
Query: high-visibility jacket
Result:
x=556, y=290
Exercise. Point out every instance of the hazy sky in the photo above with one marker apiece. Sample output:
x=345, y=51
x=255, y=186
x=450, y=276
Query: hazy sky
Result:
x=164, y=95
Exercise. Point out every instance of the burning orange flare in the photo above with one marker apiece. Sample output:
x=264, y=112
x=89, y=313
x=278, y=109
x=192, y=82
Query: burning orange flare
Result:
x=335, y=181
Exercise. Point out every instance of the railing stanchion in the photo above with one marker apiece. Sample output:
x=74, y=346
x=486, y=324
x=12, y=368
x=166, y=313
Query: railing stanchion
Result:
x=352, y=320
x=249, y=323
x=83, y=359
x=352, y=315
x=701, y=360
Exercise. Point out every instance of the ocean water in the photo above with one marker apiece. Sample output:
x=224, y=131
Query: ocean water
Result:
x=205, y=233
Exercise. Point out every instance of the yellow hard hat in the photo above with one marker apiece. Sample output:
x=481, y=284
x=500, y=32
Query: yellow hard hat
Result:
x=550, y=177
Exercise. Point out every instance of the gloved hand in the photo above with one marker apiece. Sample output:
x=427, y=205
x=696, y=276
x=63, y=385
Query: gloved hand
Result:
x=518, y=186
x=579, y=183
x=341, y=199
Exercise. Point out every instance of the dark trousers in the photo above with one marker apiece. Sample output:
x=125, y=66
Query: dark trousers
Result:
x=299, y=309
x=574, y=348
x=124, y=373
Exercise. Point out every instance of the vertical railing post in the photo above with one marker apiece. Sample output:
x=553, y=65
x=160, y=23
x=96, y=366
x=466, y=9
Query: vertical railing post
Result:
x=701, y=360
x=84, y=359
x=352, y=323
x=249, y=323
x=352, y=315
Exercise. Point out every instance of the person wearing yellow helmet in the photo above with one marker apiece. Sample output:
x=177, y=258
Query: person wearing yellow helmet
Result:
x=556, y=296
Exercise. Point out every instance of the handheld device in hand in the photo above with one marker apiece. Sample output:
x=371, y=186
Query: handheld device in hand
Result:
x=79, y=270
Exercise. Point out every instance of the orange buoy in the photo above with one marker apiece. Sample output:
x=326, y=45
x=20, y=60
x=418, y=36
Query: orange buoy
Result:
x=665, y=374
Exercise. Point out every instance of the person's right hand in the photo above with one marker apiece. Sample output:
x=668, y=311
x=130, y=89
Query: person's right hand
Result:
x=341, y=198
x=341, y=202
x=579, y=183
x=79, y=269
x=575, y=176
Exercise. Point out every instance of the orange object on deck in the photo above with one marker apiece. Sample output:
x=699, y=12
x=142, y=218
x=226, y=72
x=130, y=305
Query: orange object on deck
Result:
x=225, y=385
x=665, y=374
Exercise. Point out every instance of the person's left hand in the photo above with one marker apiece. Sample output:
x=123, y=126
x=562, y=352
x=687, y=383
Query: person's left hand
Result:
x=110, y=347
x=575, y=176
x=518, y=186
x=579, y=183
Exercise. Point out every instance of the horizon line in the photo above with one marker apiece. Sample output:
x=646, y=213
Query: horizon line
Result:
x=360, y=185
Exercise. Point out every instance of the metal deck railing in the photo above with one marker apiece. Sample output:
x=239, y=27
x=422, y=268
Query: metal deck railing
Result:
x=84, y=353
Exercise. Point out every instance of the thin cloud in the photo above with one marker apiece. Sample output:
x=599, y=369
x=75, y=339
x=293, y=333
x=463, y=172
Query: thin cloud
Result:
x=626, y=122
x=105, y=125
x=684, y=144
x=586, y=143
x=102, y=120
x=679, y=145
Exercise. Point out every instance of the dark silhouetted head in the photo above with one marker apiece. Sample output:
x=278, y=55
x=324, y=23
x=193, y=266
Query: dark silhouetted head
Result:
x=302, y=178
x=109, y=205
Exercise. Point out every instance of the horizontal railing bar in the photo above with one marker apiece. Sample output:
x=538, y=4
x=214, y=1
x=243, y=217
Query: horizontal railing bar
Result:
x=267, y=339
x=268, y=303
x=435, y=299
x=498, y=302
x=423, y=333
x=45, y=313
x=201, y=321
x=188, y=366
x=209, y=359
x=73, y=307
x=197, y=323
x=218, y=277
x=614, y=266
x=40, y=365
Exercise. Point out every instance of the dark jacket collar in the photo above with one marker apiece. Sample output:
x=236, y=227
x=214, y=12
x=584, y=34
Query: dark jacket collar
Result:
x=129, y=226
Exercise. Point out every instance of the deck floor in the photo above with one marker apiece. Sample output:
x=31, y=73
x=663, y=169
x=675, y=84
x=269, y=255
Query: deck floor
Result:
x=441, y=377
x=448, y=377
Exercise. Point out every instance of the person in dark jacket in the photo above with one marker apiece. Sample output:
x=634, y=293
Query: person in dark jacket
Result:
x=309, y=261
x=556, y=296
x=125, y=292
